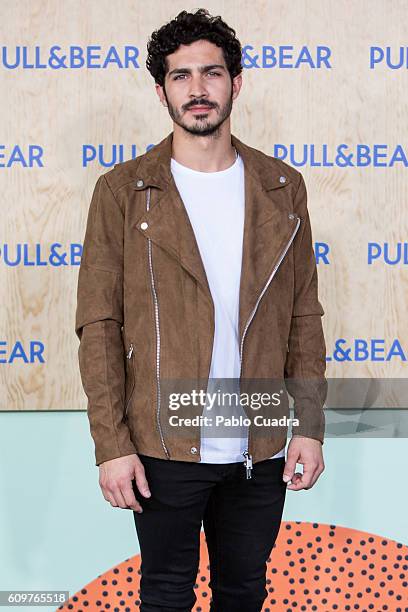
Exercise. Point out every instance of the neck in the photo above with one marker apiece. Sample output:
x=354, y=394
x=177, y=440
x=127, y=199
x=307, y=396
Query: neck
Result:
x=203, y=153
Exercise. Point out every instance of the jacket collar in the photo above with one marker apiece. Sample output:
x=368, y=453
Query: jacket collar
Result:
x=154, y=167
x=268, y=227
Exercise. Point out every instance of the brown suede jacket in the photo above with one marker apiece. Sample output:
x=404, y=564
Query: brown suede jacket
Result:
x=145, y=314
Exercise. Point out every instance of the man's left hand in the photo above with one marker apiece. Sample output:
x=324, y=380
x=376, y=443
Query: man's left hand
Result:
x=307, y=451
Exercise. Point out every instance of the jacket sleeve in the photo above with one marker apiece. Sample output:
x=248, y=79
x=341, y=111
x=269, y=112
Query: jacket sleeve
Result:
x=98, y=325
x=306, y=357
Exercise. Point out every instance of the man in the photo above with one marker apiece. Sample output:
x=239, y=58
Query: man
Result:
x=198, y=265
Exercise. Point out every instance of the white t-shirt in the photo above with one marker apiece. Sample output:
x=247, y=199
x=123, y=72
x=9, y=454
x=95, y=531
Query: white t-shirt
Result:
x=215, y=203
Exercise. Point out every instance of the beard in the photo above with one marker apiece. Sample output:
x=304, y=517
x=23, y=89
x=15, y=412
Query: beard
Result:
x=202, y=125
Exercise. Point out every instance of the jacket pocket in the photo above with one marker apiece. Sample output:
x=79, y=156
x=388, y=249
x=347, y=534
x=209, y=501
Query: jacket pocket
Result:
x=130, y=379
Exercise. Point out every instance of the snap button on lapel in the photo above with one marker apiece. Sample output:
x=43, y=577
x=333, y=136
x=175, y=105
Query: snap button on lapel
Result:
x=144, y=225
x=282, y=179
x=193, y=450
x=291, y=216
x=139, y=183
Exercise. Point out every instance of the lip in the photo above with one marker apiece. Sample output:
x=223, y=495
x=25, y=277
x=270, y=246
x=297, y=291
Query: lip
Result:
x=200, y=108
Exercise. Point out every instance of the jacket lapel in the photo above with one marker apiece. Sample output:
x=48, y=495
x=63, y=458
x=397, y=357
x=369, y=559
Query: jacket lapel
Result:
x=267, y=227
x=168, y=222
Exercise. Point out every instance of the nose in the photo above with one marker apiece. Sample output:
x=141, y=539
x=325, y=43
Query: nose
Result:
x=197, y=87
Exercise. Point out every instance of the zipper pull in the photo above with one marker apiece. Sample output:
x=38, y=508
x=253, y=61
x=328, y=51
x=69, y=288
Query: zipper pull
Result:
x=248, y=464
x=130, y=351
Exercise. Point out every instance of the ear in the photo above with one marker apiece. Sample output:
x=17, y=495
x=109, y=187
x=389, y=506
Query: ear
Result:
x=236, y=86
x=160, y=93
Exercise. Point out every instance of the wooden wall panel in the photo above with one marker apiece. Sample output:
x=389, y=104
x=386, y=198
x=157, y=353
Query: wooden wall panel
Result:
x=61, y=110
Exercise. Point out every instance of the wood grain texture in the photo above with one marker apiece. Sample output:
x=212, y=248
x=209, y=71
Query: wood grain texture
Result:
x=61, y=110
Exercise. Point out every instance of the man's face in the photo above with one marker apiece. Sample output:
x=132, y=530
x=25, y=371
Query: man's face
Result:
x=198, y=90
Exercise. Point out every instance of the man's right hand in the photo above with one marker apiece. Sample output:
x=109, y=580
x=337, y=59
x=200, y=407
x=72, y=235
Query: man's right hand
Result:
x=115, y=480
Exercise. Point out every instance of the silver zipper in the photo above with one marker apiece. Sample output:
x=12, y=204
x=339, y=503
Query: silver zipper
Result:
x=248, y=457
x=156, y=315
x=130, y=351
x=129, y=356
x=248, y=464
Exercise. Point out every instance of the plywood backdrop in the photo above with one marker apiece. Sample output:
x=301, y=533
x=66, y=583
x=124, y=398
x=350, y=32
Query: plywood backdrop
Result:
x=50, y=117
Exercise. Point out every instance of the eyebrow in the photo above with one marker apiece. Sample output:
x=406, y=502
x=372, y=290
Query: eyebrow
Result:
x=200, y=69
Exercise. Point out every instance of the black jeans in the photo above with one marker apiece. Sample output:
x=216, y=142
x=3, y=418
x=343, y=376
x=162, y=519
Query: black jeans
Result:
x=241, y=520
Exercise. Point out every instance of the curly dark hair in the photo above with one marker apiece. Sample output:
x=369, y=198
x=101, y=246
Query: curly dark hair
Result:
x=185, y=29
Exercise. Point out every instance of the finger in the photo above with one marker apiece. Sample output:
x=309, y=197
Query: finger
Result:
x=109, y=497
x=295, y=480
x=304, y=481
x=290, y=467
x=316, y=475
x=104, y=492
x=141, y=482
x=130, y=499
x=107, y=493
x=118, y=497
